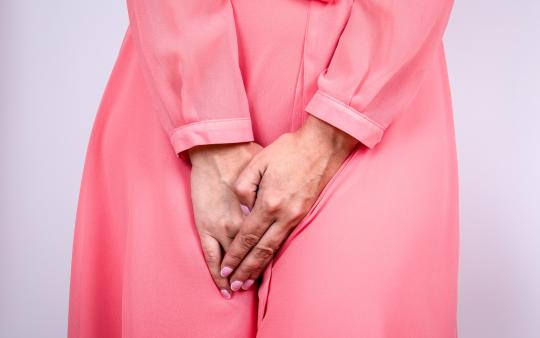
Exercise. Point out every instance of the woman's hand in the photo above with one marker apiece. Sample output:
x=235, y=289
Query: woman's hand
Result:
x=216, y=207
x=280, y=185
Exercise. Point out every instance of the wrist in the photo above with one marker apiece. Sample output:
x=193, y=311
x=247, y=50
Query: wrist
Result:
x=323, y=134
x=202, y=154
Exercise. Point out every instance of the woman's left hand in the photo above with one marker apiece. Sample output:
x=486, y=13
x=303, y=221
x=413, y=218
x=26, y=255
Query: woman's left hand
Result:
x=279, y=185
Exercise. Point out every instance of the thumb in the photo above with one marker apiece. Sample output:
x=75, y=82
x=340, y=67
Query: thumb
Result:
x=247, y=183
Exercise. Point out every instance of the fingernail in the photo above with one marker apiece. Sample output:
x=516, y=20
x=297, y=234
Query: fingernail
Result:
x=248, y=284
x=225, y=271
x=225, y=294
x=236, y=285
x=245, y=209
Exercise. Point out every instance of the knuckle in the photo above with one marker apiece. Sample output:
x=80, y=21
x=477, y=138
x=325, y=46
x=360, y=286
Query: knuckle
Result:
x=221, y=223
x=240, y=188
x=224, y=226
x=210, y=258
x=272, y=203
x=235, y=257
x=276, y=242
x=247, y=268
x=263, y=252
x=249, y=240
x=205, y=227
x=232, y=226
x=296, y=211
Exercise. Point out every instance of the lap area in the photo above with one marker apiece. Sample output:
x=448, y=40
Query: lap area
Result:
x=167, y=288
x=139, y=268
x=377, y=257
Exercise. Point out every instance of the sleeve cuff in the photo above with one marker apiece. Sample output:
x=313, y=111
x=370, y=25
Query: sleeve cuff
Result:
x=345, y=117
x=220, y=131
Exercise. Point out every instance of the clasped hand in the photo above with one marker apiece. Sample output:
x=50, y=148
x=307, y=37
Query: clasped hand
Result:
x=278, y=183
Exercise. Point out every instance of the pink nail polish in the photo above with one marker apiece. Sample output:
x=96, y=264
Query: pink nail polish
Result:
x=245, y=209
x=225, y=294
x=236, y=285
x=248, y=284
x=225, y=271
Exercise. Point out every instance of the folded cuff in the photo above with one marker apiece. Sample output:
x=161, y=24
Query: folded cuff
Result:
x=220, y=131
x=345, y=117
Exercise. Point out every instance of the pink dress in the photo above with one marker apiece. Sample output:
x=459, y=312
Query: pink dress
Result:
x=376, y=256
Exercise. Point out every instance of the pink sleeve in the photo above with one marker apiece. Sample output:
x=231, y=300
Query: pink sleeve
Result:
x=189, y=57
x=379, y=64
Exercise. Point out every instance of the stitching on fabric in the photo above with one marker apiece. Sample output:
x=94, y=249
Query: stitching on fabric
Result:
x=210, y=121
x=350, y=109
x=218, y=121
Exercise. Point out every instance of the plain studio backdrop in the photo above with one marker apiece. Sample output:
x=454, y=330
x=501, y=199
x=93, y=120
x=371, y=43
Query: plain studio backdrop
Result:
x=56, y=56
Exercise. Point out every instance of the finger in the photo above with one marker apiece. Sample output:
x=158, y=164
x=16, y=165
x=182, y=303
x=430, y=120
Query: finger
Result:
x=247, y=183
x=253, y=265
x=226, y=237
x=228, y=227
x=253, y=228
x=245, y=210
x=225, y=242
x=212, y=255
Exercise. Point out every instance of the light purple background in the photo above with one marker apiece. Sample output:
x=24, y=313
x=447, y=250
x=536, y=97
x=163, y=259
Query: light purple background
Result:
x=56, y=56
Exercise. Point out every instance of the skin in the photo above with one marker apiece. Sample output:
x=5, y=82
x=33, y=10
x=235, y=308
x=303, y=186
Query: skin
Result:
x=279, y=184
x=215, y=168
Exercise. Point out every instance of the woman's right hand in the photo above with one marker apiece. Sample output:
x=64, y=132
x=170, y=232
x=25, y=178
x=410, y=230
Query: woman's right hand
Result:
x=216, y=208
